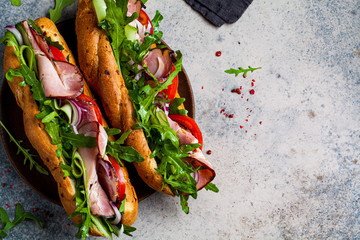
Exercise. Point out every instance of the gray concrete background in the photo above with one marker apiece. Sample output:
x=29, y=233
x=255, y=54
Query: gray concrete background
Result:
x=292, y=171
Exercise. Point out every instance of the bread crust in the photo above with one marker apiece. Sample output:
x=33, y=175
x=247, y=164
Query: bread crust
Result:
x=41, y=141
x=98, y=64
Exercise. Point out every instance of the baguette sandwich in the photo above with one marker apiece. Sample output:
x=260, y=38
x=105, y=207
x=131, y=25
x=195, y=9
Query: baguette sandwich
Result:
x=65, y=126
x=135, y=76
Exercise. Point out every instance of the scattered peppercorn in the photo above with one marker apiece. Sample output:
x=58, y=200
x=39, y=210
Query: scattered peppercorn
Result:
x=208, y=152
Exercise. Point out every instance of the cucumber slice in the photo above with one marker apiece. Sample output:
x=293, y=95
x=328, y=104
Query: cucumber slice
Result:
x=101, y=226
x=130, y=32
x=100, y=9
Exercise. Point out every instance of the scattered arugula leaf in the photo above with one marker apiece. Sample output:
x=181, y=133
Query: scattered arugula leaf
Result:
x=128, y=230
x=55, y=14
x=20, y=216
x=241, y=70
x=26, y=153
x=211, y=187
x=16, y=2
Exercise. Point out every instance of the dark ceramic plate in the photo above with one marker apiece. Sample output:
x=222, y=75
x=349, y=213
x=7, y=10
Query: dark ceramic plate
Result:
x=11, y=116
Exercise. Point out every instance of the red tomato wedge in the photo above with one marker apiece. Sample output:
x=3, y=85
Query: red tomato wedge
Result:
x=170, y=92
x=121, y=179
x=145, y=20
x=85, y=98
x=57, y=54
x=190, y=124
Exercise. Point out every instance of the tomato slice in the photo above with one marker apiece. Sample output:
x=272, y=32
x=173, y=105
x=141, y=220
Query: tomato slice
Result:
x=57, y=54
x=121, y=179
x=170, y=92
x=86, y=98
x=145, y=20
x=190, y=124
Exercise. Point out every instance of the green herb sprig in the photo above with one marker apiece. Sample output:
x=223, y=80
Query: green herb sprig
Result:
x=16, y=2
x=20, y=216
x=241, y=70
x=25, y=152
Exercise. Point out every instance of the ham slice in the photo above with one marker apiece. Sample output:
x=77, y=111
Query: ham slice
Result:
x=98, y=199
x=133, y=6
x=59, y=79
x=64, y=81
x=196, y=158
x=159, y=63
x=71, y=78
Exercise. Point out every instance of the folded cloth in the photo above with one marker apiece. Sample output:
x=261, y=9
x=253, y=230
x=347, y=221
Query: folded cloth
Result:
x=219, y=12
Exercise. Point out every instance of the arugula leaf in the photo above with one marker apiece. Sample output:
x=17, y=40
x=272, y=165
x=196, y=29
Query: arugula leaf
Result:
x=26, y=153
x=112, y=131
x=174, y=106
x=55, y=44
x=211, y=187
x=114, y=25
x=35, y=26
x=79, y=140
x=16, y=2
x=126, y=153
x=55, y=14
x=128, y=230
x=20, y=216
x=241, y=70
x=123, y=137
x=184, y=203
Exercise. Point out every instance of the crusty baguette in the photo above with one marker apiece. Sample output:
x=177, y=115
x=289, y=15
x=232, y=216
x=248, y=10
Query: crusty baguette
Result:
x=41, y=141
x=98, y=64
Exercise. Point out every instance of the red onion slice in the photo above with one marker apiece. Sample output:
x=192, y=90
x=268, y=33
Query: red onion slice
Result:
x=118, y=217
x=75, y=116
x=16, y=33
x=102, y=139
x=84, y=112
x=89, y=129
x=107, y=178
x=195, y=175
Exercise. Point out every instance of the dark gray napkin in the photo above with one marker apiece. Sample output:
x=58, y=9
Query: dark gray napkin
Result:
x=219, y=12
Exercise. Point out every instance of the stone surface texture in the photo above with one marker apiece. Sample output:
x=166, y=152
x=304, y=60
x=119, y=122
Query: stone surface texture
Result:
x=292, y=170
